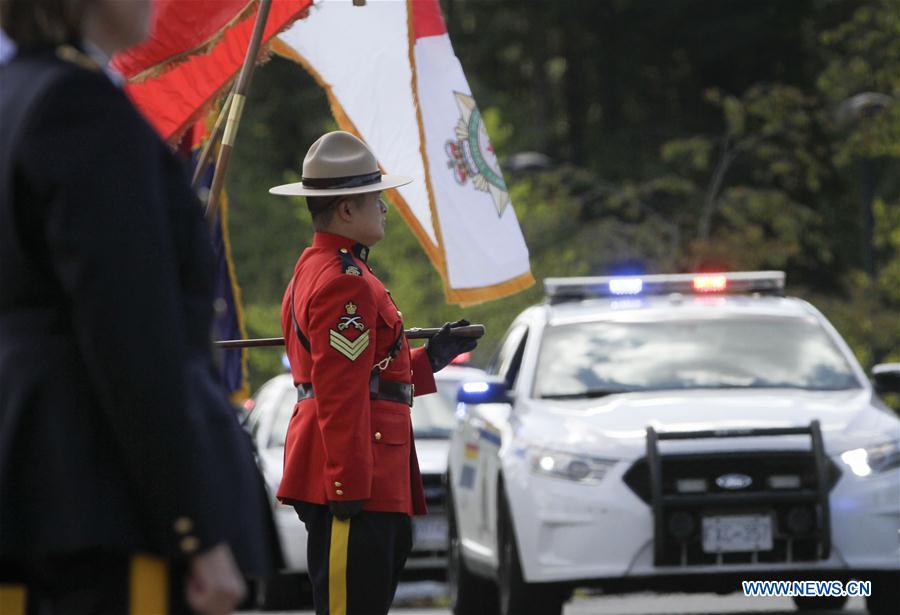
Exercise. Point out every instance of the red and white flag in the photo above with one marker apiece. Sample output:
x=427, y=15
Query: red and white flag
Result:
x=192, y=55
x=392, y=78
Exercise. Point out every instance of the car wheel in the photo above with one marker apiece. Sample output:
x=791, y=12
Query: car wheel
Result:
x=469, y=594
x=283, y=592
x=885, y=595
x=820, y=603
x=517, y=597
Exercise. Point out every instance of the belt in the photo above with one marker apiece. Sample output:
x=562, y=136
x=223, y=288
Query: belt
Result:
x=388, y=390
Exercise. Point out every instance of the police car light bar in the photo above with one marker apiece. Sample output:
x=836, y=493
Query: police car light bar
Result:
x=735, y=282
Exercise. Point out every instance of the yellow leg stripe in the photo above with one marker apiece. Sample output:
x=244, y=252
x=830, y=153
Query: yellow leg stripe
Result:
x=12, y=600
x=337, y=567
x=149, y=593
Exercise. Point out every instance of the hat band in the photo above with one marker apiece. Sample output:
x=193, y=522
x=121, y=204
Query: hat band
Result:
x=352, y=181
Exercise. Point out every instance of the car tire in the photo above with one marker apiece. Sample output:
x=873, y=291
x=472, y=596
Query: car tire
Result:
x=283, y=592
x=469, y=594
x=820, y=603
x=885, y=595
x=518, y=597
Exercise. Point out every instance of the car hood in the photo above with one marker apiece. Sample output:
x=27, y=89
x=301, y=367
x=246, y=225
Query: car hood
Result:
x=615, y=426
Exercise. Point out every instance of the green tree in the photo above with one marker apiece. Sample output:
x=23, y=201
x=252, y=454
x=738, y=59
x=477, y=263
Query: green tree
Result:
x=690, y=134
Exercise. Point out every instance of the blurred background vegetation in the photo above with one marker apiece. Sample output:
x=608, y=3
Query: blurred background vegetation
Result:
x=636, y=136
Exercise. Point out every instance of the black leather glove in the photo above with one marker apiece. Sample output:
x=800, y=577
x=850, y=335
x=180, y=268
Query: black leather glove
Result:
x=443, y=347
x=344, y=509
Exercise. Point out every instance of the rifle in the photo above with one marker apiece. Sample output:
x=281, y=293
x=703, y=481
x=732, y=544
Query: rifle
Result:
x=416, y=333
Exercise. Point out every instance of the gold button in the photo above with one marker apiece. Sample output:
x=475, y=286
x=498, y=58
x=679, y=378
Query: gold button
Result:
x=343, y=250
x=378, y=435
x=189, y=544
x=339, y=492
x=183, y=525
x=399, y=313
x=338, y=484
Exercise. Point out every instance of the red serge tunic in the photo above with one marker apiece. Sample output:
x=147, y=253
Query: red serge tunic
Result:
x=342, y=445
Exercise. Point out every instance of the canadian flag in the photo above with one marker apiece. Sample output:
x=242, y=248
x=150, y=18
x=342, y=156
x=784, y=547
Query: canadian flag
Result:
x=392, y=79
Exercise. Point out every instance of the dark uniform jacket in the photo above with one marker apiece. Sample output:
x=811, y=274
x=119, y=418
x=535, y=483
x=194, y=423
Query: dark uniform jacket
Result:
x=114, y=431
x=347, y=442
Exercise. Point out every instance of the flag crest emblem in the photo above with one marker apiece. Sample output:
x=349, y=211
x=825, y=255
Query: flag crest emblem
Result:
x=472, y=156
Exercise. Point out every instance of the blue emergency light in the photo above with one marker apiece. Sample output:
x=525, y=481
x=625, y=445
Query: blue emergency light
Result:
x=491, y=390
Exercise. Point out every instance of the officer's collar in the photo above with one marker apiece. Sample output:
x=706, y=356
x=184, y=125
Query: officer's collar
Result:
x=361, y=251
x=331, y=241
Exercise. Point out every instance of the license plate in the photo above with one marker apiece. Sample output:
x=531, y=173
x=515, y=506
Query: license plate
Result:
x=430, y=533
x=736, y=533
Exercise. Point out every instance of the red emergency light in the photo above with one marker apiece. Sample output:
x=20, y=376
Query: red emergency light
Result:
x=710, y=283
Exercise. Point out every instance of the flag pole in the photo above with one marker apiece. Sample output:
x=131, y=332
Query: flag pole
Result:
x=473, y=331
x=234, y=111
x=205, y=153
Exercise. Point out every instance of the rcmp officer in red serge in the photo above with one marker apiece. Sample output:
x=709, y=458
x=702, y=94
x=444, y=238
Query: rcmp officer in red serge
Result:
x=350, y=466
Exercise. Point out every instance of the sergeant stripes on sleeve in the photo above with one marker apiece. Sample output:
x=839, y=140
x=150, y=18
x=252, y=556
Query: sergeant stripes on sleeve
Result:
x=349, y=349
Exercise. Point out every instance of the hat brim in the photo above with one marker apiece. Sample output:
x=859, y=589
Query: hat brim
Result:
x=298, y=189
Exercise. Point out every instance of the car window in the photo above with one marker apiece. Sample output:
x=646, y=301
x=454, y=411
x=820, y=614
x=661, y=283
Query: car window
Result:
x=283, y=412
x=433, y=416
x=261, y=400
x=508, y=347
x=510, y=372
x=592, y=359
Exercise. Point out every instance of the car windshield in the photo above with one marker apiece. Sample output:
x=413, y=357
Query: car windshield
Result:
x=433, y=416
x=593, y=359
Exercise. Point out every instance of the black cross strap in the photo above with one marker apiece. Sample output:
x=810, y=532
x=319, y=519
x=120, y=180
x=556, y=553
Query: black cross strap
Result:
x=304, y=341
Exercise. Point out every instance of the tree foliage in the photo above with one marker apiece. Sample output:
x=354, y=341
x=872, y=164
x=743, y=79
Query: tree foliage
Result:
x=688, y=135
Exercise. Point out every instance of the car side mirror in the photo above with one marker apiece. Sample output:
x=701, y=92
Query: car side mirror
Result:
x=887, y=377
x=490, y=390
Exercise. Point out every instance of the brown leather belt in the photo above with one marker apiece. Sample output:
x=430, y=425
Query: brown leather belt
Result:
x=379, y=388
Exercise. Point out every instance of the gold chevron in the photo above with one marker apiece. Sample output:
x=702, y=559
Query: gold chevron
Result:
x=349, y=349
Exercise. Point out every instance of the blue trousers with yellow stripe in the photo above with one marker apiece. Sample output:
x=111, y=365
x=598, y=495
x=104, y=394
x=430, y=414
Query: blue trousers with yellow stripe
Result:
x=93, y=583
x=355, y=565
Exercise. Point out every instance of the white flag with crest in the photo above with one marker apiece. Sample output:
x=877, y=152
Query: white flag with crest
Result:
x=392, y=79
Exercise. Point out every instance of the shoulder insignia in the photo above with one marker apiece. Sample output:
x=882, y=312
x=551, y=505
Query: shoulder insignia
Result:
x=348, y=265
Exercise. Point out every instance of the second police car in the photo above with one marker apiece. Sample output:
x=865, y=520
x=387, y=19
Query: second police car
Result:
x=672, y=433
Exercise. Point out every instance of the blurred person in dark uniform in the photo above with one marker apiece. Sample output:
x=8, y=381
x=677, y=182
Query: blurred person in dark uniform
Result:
x=126, y=482
x=350, y=466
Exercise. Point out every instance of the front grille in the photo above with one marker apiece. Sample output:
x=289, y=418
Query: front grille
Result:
x=760, y=466
x=789, y=487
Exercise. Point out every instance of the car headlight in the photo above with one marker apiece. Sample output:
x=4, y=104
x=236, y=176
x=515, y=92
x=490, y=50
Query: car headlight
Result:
x=873, y=459
x=578, y=468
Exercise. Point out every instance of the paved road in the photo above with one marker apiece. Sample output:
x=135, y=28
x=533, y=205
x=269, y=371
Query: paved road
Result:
x=633, y=604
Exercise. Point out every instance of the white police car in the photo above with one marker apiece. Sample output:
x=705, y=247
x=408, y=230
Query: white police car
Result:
x=673, y=433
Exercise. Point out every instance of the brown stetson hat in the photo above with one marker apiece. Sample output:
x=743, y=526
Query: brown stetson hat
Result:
x=339, y=163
